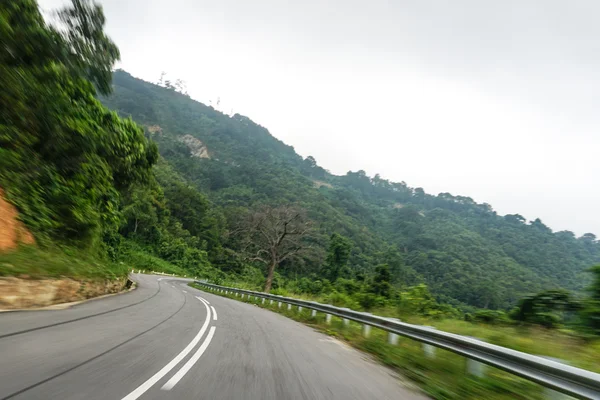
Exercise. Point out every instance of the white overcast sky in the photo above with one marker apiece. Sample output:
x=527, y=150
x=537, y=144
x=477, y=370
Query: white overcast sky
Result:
x=496, y=100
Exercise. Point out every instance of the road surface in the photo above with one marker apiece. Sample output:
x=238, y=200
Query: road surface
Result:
x=166, y=340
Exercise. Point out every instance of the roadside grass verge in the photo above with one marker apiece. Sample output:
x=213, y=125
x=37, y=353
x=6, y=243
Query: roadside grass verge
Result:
x=138, y=259
x=56, y=262
x=32, y=262
x=445, y=376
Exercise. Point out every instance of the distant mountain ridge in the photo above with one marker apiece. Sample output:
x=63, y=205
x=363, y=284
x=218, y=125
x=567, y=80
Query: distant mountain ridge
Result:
x=463, y=250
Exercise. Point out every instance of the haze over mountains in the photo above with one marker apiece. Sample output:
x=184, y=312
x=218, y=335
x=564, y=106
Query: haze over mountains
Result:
x=463, y=250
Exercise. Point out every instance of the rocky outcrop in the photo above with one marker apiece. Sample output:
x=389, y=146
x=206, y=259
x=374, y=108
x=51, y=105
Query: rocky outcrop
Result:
x=319, y=184
x=18, y=293
x=155, y=129
x=197, y=148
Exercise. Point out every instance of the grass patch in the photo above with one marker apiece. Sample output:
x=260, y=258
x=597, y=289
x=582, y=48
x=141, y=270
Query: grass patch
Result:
x=57, y=262
x=138, y=259
x=66, y=262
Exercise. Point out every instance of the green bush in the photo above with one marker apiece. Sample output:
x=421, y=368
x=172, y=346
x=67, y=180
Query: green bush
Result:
x=347, y=286
x=341, y=300
x=369, y=301
x=280, y=292
x=490, y=316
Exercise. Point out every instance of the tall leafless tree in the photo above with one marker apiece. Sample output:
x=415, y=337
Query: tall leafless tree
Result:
x=271, y=235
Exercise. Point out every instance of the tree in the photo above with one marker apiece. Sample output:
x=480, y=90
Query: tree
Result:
x=591, y=310
x=546, y=308
x=515, y=218
x=589, y=237
x=271, y=235
x=338, y=255
x=90, y=52
x=381, y=281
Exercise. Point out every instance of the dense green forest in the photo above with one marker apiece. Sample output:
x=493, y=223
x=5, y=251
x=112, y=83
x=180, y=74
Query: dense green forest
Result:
x=163, y=181
x=464, y=251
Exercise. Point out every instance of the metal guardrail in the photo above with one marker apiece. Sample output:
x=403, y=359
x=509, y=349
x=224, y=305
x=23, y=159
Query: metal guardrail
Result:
x=572, y=381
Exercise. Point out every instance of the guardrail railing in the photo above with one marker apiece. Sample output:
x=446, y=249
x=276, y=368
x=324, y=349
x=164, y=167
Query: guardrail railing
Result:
x=554, y=375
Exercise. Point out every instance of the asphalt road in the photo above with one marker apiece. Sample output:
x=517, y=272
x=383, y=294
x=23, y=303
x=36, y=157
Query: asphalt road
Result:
x=166, y=340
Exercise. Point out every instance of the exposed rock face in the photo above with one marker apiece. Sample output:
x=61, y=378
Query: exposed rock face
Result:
x=318, y=184
x=197, y=148
x=17, y=293
x=12, y=231
x=155, y=129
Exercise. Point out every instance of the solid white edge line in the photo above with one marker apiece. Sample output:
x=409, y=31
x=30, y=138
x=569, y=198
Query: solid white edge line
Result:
x=214, y=313
x=165, y=370
x=188, y=365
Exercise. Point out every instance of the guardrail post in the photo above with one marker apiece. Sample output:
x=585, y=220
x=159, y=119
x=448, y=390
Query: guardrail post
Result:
x=366, y=330
x=242, y=295
x=474, y=367
x=299, y=309
x=393, y=337
x=270, y=301
x=346, y=322
x=289, y=306
x=263, y=300
x=313, y=313
x=428, y=349
x=328, y=318
x=279, y=304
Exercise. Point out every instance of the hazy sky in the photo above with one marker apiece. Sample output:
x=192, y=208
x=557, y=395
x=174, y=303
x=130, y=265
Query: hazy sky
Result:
x=496, y=100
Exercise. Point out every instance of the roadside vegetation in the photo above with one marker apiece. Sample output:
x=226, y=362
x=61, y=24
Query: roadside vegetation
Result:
x=56, y=262
x=444, y=376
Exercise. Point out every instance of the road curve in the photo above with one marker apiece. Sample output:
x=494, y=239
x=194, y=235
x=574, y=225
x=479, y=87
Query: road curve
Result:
x=166, y=340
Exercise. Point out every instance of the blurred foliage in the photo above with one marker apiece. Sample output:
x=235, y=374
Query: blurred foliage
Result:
x=65, y=159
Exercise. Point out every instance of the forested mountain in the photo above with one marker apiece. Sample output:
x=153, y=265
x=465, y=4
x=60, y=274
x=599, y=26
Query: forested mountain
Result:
x=464, y=251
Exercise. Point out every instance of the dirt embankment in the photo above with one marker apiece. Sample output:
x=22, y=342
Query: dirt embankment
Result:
x=18, y=293
x=12, y=231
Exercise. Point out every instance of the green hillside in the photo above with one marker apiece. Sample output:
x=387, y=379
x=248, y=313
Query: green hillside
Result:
x=464, y=251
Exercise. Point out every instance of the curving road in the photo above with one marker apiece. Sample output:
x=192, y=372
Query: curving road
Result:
x=166, y=340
